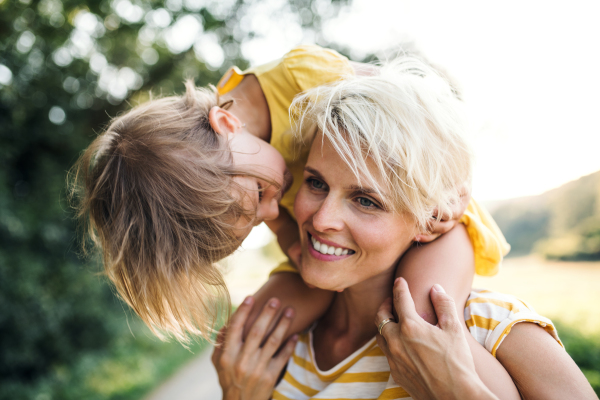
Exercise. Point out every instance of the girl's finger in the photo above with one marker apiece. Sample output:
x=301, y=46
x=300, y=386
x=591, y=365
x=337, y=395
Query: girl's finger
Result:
x=278, y=362
x=258, y=330
x=275, y=339
x=218, y=349
x=235, y=327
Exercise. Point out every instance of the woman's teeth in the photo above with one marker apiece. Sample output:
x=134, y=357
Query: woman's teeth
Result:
x=324, y=249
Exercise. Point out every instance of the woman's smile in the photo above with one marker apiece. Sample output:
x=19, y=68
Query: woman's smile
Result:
x=347, y=234
x=326, y=250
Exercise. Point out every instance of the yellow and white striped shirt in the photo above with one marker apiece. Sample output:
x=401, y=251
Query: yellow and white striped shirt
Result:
x=365, y=374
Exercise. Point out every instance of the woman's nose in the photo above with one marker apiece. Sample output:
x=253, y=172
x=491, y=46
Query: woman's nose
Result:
x=328, y=216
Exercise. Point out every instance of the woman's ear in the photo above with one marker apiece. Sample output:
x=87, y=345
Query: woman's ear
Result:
x=223, y=122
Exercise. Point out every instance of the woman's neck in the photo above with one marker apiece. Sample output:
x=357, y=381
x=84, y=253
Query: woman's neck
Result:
x=350, y=321
x=250, y=107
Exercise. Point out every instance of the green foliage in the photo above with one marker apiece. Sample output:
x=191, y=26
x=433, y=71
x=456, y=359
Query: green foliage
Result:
x=562, y=224
x=127, y=368
x=522, y=225
x=579, y=244
x=66, y=67
x=585, y=351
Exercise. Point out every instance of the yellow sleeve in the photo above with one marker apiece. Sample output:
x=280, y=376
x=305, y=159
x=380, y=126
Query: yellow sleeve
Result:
x=285, y=266
x=303, y=68
x=489, y=244
x=312, y=66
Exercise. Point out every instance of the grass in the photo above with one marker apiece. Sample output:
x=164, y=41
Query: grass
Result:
x=566, y=292
x=585, y=351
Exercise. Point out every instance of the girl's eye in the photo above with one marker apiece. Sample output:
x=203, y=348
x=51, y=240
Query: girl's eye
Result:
x=316, y=184
x=363, y=201
x=260, y=191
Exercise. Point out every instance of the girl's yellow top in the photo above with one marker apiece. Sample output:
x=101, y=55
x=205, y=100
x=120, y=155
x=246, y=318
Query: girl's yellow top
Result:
x=306, y=67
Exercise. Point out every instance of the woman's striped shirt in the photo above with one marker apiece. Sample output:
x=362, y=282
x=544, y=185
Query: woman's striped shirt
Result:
x=365, y=374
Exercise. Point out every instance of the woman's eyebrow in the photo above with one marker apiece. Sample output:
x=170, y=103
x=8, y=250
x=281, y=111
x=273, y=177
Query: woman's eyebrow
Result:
x=356, y=188
x=362, y=189
x=314, y=172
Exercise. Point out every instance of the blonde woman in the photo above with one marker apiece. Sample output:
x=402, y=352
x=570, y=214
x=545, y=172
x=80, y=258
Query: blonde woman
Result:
x=388, y=150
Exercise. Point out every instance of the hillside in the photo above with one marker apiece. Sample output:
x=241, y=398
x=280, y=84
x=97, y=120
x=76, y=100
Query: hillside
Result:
x=562, y=224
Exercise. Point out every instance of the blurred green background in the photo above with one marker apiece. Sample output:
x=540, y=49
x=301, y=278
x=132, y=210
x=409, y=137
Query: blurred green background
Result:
x=66, y=68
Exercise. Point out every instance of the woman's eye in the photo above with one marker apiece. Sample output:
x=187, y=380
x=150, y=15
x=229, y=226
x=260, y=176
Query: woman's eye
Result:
x=316, y=184
x=363, y=201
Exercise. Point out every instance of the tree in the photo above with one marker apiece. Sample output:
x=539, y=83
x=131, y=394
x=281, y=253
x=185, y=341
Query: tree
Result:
x=66, y=67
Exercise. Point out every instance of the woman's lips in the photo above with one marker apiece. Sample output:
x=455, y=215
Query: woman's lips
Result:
x=327, y=251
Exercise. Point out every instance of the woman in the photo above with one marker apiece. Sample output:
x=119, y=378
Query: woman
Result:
x=388, y=151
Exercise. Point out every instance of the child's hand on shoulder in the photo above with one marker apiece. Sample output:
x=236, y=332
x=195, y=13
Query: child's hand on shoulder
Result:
x=447, y=221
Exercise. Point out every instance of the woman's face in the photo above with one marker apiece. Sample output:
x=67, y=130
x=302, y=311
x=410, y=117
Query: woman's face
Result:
x=338, y=216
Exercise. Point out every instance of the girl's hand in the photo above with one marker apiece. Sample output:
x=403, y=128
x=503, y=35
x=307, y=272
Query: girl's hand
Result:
x=249, y=370
x=429, y=362
x=446, y=221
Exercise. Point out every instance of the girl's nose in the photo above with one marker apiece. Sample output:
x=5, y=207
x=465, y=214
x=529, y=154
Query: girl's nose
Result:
x=269, y=209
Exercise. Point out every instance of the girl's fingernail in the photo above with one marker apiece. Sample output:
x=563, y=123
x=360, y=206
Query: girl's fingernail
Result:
x=274, y=303
x=289, y=312
x=248, y=300
x=397, y=281
x=438, y=288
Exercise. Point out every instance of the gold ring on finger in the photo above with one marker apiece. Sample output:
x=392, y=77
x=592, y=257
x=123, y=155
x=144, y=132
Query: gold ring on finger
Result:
x=383, y=323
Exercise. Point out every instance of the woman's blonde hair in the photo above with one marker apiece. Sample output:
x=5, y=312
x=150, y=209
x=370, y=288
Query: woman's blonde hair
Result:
x=156, y=194
x=408, y=121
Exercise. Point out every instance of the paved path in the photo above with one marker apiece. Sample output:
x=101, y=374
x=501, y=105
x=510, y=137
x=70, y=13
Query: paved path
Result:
x=195, y=381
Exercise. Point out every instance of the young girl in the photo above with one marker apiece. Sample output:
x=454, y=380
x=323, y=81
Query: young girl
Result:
x=174, y=185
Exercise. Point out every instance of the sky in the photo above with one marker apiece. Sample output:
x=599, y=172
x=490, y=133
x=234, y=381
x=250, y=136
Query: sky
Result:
x=530, y=73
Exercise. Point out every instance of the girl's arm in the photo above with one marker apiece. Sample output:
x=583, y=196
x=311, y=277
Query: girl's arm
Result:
x=286, y=230
x=288, y=287
x=449, y=261
x=540, y=368
x=309, y=304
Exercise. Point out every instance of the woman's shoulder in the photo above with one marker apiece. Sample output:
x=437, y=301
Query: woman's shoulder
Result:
x=490, y=316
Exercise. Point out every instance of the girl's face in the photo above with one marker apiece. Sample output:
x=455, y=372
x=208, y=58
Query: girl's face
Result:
x=347, y=221
x=260, y=159
x=256, y=157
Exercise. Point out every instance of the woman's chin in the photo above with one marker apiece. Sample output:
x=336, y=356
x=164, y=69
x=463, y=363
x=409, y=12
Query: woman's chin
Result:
x=316, y=280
